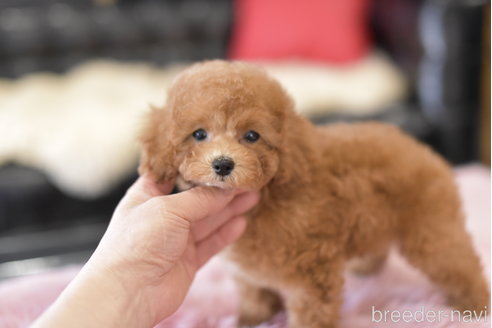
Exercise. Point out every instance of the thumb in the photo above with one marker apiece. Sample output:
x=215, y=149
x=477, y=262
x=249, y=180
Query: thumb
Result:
x=143, y=189
x=197, y=203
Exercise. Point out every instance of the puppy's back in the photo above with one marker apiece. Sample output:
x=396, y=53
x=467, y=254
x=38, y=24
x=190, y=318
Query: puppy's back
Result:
x=376, y=145
x=395, y=164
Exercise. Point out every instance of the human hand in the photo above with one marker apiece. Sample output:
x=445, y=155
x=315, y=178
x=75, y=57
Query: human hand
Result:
x=148, y=257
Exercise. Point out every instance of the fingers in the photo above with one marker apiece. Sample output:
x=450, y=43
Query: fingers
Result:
x=196, y=203
x=225, y=235
x=143, y=189
x=240, y=204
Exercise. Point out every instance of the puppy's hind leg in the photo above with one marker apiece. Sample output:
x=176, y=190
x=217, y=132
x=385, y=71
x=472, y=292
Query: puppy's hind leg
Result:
x=442, y=249
x=368, y=264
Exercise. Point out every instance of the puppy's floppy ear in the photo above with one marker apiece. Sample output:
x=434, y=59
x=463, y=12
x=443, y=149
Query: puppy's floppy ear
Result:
x=291, y=150
x=158, y=153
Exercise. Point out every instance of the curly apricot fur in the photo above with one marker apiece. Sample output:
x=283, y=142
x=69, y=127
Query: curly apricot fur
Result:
x=329, y=194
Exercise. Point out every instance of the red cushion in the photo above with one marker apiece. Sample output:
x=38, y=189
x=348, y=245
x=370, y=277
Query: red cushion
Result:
x=321, y=30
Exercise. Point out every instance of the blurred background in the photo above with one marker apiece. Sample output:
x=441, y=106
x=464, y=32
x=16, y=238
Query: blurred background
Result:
x=77, y=76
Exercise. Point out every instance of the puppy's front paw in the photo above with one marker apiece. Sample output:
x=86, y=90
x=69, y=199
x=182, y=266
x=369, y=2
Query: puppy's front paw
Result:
x=260, y=306
x=255, y=315
x=248, y=320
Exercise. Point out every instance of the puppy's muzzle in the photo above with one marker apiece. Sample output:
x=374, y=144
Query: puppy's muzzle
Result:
x=223, y=166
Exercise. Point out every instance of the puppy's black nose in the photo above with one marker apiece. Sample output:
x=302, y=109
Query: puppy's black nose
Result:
x=223, y=166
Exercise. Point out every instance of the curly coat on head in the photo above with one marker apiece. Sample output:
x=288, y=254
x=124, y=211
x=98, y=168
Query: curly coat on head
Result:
x=329, y=194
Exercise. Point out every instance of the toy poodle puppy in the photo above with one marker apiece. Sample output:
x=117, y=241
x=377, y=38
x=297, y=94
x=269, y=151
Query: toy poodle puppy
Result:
x=328, y=194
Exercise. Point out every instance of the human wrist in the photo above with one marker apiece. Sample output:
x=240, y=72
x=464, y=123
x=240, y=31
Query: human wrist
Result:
x=119, y=290
x=124, y=302
x=98, y=297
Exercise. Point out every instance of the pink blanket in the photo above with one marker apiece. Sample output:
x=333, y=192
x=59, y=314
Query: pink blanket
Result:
x=399, y=296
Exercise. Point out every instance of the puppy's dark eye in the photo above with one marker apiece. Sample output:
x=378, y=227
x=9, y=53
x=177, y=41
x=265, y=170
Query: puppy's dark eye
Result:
x=252, y=136
x=200, y=134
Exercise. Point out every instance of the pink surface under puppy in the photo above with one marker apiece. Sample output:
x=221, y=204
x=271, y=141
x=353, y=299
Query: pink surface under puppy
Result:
x=213, y=299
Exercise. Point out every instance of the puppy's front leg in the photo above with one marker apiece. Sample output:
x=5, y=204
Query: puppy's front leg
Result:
x=316, y=303
x=256, y=304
